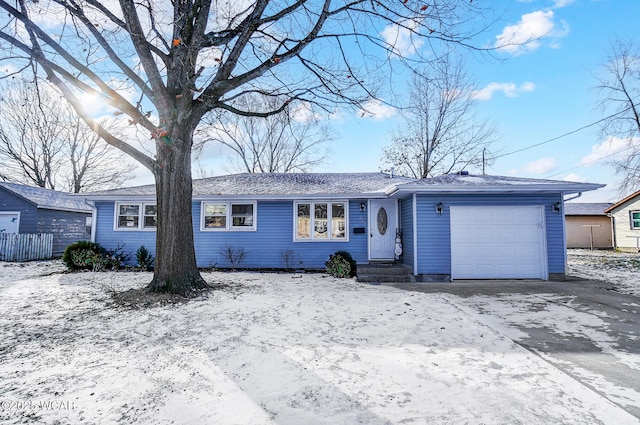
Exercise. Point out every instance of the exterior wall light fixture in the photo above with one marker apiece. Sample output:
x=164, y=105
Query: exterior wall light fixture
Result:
x=439, y=208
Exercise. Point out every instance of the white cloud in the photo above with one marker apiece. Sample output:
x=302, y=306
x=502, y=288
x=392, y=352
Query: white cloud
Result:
x=399, y=37
x=573, y=177
x=557, y=4
x=509, y=90
x=303, y=112
x=378, y=110
x=526, y=35
x=609, y=149
x=541, y=166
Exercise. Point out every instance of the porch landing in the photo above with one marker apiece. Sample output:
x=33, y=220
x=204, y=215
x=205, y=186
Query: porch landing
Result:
x=384, y=273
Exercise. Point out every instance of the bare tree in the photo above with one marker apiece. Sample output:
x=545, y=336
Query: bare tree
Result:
x=164, y=65
x=29, y=147
x=43, y=142
x=293, y=140
x=441, y=131
x=619, y=86
x=93, y=164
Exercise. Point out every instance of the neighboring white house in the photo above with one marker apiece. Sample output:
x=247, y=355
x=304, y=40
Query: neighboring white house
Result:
x=626, y=223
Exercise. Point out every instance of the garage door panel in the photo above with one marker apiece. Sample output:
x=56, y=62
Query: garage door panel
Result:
x=505, y=216
x=506, y=270
x=504, y=234
x=528, y=215
x=528, y=251
x=482, y=233
x=497, y=242
x=481, y=217
x=529, y=231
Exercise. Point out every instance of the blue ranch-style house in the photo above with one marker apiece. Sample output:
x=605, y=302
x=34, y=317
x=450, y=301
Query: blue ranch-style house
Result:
x=457, y=226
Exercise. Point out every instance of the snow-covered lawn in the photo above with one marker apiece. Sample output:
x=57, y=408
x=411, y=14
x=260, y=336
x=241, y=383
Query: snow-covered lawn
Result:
x=267, y=349
x=620, y=269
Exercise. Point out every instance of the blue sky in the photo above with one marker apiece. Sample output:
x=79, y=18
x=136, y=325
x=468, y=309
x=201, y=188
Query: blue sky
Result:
x=533, y=92
x=540, y=92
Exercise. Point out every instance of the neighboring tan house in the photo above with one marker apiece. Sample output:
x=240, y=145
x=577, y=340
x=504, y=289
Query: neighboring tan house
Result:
x=27, y=209
x=457, y=226
x=588, y=226
x=626, y=223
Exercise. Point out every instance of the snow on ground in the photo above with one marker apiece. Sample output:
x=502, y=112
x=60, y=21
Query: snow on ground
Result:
x=11, y=272
x=267, y=349
x=619, y=268
x=519, y=315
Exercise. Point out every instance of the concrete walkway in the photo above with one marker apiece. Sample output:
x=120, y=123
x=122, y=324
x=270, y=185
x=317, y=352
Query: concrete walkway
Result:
x=581, y=327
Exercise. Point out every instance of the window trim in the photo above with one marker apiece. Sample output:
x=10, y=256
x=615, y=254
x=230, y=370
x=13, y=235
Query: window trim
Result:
x=329, y=203
x=229, y=227
x=141, y=216
x=631, y=213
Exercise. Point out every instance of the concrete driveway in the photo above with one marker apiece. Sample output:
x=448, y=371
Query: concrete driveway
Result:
x=581, y=327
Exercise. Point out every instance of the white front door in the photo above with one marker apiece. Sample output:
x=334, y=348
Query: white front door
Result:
x=9, y=222
x=383, y=223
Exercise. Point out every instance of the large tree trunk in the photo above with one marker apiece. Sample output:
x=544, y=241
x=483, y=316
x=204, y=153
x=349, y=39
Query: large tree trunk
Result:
x=175, y=269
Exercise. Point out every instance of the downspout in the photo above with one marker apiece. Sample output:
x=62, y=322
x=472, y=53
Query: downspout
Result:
x=613, y=231
x=564, y=232
x=415, y=235
x=94, y=218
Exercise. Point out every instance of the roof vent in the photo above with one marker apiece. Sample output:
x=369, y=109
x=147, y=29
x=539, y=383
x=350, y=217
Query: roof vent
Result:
x=463, y=173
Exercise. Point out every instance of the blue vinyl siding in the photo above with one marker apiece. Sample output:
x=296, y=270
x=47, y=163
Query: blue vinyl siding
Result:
x=130, y=241
x=434, y=239
x=264, y=247
x=406, y=225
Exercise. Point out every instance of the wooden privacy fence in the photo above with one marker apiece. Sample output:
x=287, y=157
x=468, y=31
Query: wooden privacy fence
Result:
x=26, y=246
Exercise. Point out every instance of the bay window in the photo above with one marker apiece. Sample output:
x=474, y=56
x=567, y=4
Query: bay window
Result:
x=320, y=221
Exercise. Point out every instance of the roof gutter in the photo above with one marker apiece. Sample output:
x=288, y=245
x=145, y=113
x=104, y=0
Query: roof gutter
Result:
x=499, y=189
x=572, y=198
x=47, y=207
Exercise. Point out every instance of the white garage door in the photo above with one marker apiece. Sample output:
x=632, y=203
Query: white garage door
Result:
x=498, y=243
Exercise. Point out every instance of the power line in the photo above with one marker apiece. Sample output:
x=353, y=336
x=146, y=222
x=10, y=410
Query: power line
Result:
x=590, y=162
x=565, y=134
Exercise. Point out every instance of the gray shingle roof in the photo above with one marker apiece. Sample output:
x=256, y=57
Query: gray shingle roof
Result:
x=585, y=208
x=344, y=184
x=278, y=184
x=46, y=198
x=467, y=183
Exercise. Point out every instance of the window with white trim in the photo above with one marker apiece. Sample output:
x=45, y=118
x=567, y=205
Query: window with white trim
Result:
x=321, y=221
x=635, y=220
x=136, y=216
x=228, y=216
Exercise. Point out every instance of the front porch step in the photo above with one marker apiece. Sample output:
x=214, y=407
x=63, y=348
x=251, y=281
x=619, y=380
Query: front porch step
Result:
x=384, y=273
